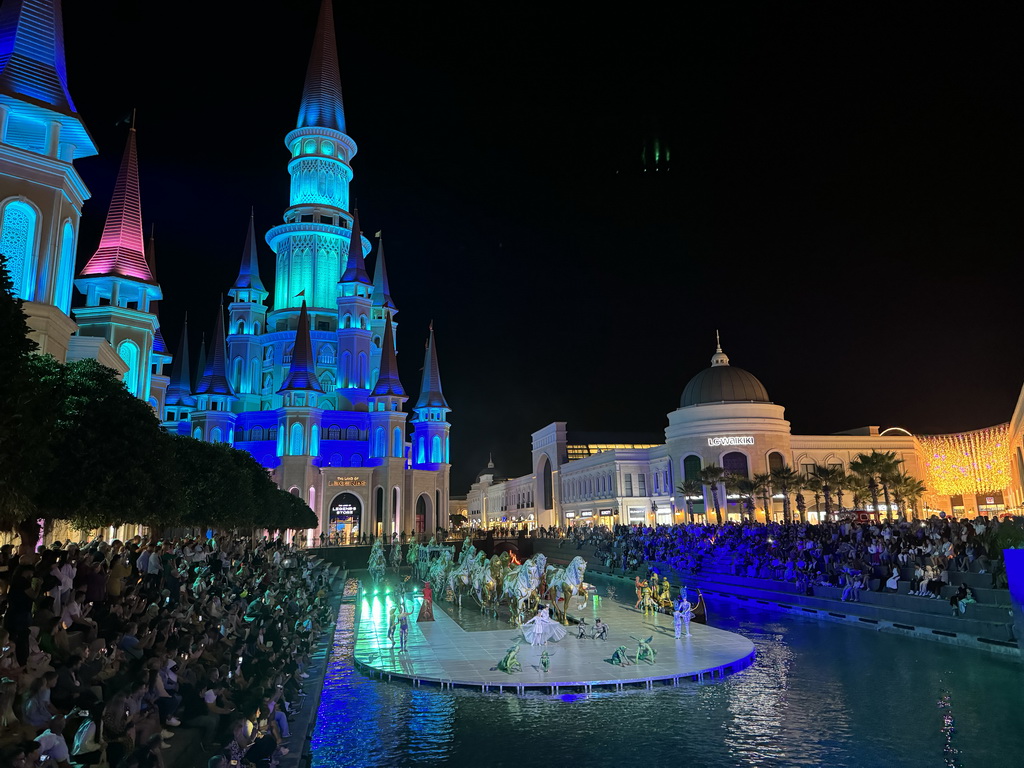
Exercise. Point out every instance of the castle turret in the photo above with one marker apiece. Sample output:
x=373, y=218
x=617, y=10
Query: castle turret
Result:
x=430, y=416
x=41, y=193
x=248, y=320
x=354, y=328
x=117, y=282
x=212, y=419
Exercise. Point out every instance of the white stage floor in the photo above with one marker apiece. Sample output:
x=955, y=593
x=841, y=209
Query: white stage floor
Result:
x=441, y=652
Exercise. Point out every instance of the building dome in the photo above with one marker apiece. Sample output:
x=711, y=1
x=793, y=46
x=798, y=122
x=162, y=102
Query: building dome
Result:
x=723, y=383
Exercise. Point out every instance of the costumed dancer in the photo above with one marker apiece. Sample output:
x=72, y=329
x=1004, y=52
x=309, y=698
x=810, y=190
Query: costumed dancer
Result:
x=427, y=606
x=545, y=661
x=510, y=662
x=682, y=614
x=392, y=622
x=647, y=599
x=403, y=629
x=600, y=630
x=542, y=628
x=583, y=633
x=639, y=591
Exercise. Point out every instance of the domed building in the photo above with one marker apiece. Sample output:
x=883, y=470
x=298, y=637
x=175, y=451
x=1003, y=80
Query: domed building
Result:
x=725, y=418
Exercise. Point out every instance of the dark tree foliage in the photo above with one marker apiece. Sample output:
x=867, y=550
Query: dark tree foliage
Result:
x=24, y=416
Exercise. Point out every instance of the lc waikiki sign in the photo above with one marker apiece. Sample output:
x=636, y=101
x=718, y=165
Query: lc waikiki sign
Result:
x=735, y=440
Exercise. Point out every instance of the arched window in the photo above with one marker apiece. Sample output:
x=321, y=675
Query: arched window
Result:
x=334, y=432
x=435, y=450
x=256, y=328
x=17, y=242
x=254, y=376
x=296, y=441
x=421, y=451
x=545, y=473
x=380, y=447
x=447, y=449
x=396, y=442
x=735, y=463
x=240, y=328
x=345, y=371
x=268, y=355
x=197, y=433
x=314, y=440
x=775, y=461
x=256, y=434
x=65, y=269
x=129, y=352
x=335, y=460
x=357, y=460
x=215, y=436
x=352, y=433
x=362, y=322
x=346, y=321
x=236, y=376
x=326, y=381
x=691, y=468
x=363, y=381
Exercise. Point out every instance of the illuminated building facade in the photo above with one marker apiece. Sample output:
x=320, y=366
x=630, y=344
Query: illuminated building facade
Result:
x=309, y=385
x=725, y=417
x=41, y=193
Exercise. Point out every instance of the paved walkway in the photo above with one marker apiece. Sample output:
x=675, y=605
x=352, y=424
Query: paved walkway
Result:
x=442, y=652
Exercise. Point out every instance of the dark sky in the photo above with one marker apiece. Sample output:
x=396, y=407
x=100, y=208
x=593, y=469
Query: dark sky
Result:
x=842, y=195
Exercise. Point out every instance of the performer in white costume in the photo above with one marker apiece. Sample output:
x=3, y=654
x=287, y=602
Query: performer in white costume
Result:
x=542, y=628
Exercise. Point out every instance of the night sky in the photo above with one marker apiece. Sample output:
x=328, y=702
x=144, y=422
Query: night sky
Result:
x=838, y=191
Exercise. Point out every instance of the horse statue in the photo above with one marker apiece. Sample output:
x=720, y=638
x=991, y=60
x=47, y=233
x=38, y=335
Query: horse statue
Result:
x=460, y=577
x=438, y=572
x=521, y=584
x=564, y=583
x=377, y=565
x=396, y=557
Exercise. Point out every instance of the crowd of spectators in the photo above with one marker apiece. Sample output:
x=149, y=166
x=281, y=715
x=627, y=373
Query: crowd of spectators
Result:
x=846, y=554
x=107, y=648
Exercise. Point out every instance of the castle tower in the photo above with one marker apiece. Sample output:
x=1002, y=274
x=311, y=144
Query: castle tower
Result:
x=212, y=419
x=383, y=309
x=313, y=242
x=387, y=429
x=41, y=193
x=248, y=320
x=298, y=419
x=430, y=416
x=179, y=401
x=354, y=328
x=159, y=381
x=118, y=285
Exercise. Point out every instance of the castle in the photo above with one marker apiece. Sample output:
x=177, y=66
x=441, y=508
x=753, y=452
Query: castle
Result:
x=308, y=384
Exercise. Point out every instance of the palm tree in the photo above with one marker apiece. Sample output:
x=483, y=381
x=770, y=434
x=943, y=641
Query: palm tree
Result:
x=813, y=484
x=830, y=479
x=908, y=488
x=866, y=466
x=763, y=486
x=785, y=481
x=689, y=489
x=888, y=476
x=843, y=484
x=801, y=505
x=746, y=488
x=711, y=476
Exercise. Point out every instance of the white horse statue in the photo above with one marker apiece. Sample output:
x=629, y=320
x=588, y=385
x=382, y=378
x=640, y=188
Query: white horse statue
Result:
x=521, y=586
x=564, y=583
x=377, y=565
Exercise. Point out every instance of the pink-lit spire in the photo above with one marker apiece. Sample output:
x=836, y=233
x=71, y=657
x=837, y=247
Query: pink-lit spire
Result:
x=121, y=250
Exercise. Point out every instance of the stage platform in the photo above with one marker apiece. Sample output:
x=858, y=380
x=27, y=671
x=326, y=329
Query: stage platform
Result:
x=442, y=653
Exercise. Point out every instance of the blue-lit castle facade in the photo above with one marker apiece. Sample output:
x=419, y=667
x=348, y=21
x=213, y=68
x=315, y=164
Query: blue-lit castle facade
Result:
x=306, y=378
x=308, y=382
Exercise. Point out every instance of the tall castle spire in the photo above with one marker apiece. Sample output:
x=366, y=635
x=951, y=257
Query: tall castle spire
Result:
x=355, y=269
x=302, y=372
x=381, y=289
x=34, y=76
x=430, y=387
x=121, y=251
x=179, y=390
x=159, y=345
x=322, y=105
x=249, y=272
x=214, y=379
x=388, y=382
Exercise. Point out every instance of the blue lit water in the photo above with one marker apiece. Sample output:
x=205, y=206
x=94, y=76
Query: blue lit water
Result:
x=819, y=694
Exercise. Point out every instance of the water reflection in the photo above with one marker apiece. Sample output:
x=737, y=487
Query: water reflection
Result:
x=817, y=694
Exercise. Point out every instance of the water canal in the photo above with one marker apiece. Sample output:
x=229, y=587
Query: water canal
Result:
x=819, y=693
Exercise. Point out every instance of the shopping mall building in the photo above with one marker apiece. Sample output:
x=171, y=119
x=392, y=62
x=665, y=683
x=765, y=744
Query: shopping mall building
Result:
x=725, y=417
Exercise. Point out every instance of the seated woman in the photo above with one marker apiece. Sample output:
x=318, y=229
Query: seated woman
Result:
x=542, y=628
x=892, y=583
